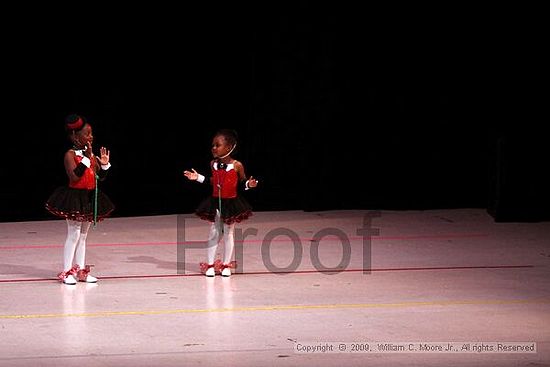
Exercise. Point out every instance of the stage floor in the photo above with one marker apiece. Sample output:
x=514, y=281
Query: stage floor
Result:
x=333, y=288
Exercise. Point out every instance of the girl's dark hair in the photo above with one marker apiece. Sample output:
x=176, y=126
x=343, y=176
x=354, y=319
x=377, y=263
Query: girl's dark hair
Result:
x=230, y=135
x=74, y=122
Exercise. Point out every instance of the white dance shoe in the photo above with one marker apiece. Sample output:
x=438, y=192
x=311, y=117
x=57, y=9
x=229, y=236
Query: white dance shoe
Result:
x=70, y=280
x=226, y=272
x=210, y=272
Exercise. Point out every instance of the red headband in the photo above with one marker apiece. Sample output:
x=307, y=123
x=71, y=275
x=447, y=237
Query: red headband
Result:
x=76, y=125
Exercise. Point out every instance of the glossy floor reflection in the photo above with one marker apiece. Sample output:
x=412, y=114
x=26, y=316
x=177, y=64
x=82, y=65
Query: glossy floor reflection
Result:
x=380, y=279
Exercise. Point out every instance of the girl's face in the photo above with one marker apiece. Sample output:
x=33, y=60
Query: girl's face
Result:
x=83, y=137
x=220, y=147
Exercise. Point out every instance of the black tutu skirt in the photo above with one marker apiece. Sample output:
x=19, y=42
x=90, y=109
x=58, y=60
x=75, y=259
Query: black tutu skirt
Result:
x=78, y=204
x=233, y=210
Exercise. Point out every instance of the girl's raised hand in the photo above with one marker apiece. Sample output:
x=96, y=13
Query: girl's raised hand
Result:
x=193, y=176
x=104, y=155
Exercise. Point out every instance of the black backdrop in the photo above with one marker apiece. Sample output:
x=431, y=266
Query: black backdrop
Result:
x=332, y=113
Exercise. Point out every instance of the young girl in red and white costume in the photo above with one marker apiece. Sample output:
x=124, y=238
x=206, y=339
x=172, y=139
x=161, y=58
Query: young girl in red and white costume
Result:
x=80, y=202
x=225, y=206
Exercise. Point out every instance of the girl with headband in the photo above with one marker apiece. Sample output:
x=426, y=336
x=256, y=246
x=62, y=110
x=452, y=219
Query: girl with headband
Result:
x=224, y=207
x=80, y=202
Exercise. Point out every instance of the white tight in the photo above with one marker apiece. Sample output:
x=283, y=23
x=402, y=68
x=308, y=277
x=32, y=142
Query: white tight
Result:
x=214, y=237
x=74, y=251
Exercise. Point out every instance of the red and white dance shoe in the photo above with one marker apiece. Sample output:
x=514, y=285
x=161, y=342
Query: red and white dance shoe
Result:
x=83, y=275
x=69, y=279
x=226, y=272
x=218, y=267
x=68, y=276
x=210, y=272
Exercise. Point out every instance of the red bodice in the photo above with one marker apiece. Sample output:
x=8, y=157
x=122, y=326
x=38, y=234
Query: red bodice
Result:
x=87, y=180
x=227, y=180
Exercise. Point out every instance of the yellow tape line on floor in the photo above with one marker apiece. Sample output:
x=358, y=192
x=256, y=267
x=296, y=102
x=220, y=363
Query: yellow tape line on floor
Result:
x=279, y=308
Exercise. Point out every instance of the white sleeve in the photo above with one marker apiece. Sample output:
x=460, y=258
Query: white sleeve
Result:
x=86, y=161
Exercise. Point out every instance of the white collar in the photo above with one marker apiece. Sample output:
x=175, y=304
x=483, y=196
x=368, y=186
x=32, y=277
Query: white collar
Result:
x=228, y=167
